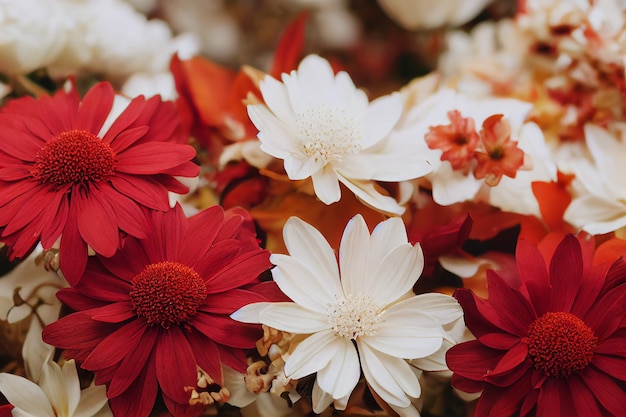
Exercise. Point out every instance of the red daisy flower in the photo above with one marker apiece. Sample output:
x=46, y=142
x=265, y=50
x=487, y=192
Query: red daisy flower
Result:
x=156, y=314
x=552, y=344
x=63, y=175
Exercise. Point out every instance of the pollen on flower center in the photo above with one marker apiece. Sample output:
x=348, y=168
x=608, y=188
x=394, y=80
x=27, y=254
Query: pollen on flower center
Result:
x=167, y=293
x=354, y=316
x=560, y=344
x=73, y=157
x=329, y=133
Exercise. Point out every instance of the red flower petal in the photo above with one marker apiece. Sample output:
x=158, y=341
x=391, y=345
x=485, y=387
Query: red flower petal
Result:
x=243, y=270
x=226, y=331
x=138, y=400
x=549, y=402
x=175, y=364
x=607, y=392
x=95, y=107
x=142, y=190
x=203, y=228
x=611, y=365
x=147, y=158
x=503, y=402
x=139, y=359
x=113, y=348
x=123, y=122
x=534, y=273
x=97, y=223
x=583, y=399
x=511, y=367
x=566, y=271
x=207, y=355
x=73, y=249
x=472, y=360
x=76, y=331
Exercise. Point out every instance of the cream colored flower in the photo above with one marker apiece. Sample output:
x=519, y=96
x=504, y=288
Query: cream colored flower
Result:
x=323, y=127
x=57, y=395
x=365, y=319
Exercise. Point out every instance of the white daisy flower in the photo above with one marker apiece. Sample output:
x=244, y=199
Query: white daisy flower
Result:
x=325, y=128
x=365, y=319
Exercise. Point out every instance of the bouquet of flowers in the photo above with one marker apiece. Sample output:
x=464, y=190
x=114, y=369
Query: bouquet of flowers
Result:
x=313, y=208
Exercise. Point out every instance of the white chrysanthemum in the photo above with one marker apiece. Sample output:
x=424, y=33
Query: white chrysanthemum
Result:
x=323, y=127
x=33, y=33
x=57, y=395
x=599, y=204
x=370, y=309
x=451, y=186
x=111, y=38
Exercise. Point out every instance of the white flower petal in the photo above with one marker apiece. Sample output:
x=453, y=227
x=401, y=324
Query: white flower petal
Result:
x=342, y=373
x=312, y=354
x=53, y=384
x=396, y=274
x=386, y=236
x=451, y=187
x=275, y=136
x=367, y=193
x=25, y=395
x=309, y=289
x=407, y=342
x=382, y=115
x=250, y=313
x=276, y=98
x=72, y=385
x=390, y=377
x=299, y=167
x=321, y=400
x=93, y=401
x=315, y=79
x=595, y=214
x=291, y=317
x=353, y=255
x=326, y=185
x=442, y=308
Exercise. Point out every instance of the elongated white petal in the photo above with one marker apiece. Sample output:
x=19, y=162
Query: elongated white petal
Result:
x=390, y=377
x=291, y=317
x=299, y=167
x=315, y=80
x=321, y=400
x=342, y=373
x=353, y=255
x=326, y=185
x=53, y=384
x=25, y=395
x=312, y=354
x=276, y=98
x=366, y=192
x=405, y=342
x=443, y=308
x=250, y=313
x=72, y=385
x=396, y=274
x=305, y=243
x=307, y=288
x=275, y=136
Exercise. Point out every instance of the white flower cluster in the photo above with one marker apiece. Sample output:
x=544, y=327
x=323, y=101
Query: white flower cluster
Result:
x=104, y=37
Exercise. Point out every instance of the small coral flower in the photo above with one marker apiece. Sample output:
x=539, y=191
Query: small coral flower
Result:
x=553, y=344
x=64, y=174
x=155, y=315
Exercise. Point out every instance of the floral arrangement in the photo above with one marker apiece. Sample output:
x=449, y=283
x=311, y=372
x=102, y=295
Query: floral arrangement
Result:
x=375, y=209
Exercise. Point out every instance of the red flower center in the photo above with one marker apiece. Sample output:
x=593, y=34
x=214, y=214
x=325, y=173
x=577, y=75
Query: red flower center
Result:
x=167, y=293
x=560, y=344
x=73, y=157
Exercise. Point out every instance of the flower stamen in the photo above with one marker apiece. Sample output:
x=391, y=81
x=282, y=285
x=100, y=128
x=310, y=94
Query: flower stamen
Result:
x=560, y=344
x=354, y=316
